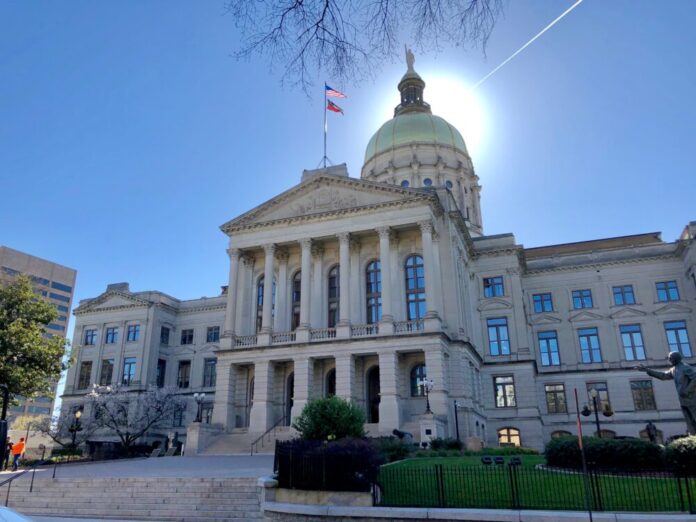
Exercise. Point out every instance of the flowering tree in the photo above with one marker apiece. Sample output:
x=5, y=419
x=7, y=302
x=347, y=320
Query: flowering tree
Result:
x=131, y=414
x=58, y=429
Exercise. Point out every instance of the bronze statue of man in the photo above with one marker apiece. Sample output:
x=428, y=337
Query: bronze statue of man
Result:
x=684, y=377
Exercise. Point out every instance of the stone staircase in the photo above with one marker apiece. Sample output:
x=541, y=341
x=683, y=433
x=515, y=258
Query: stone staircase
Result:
x=160, y=499
x=239, y=442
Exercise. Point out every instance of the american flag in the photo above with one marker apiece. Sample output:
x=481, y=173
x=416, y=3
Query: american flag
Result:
x=333, y=107
x=333, y=93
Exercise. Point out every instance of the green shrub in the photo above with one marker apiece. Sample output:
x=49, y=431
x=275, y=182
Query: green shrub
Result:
x=501, y=451
x=64, y=452
x=680, y=455
x=392, y=448
x=627, y=454
x=331, y=418
x=439, y=443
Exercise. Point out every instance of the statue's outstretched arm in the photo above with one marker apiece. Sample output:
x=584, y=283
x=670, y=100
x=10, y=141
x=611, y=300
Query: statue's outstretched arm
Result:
x=663, y=376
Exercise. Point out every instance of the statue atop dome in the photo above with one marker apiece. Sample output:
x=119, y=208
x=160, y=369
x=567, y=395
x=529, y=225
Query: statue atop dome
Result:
x=410, y=59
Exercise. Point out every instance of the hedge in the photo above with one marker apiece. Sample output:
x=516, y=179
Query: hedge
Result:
x=624, y=454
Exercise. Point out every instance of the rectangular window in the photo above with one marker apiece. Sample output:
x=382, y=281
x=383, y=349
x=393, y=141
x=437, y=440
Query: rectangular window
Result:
x=128, y=371
x=62, y=318
x=178, y=419
x=498, y=339
x=164, y=336
x=90, y=337
x=184, y=376
x=678, y=337
x=207, y=413
x=133, y=332
x=582, y=299
x=54, y=326
x=667, y=291
x=41, y=281
x=602, y=395
x=555, y=398
x=187, y=336
x=85, y=375
x=493, y=286
x=111, y=335
x=543, y=303
x=504, y=392
x=209, y=367
x=62, y=308
x=59, y=297
x=161, y=372
x=107, y=372
x=589, y=345
x=548, y=348
x=643, y=396
x=632, y=341
x=60, y=286
x=623, y=295
x=213, y=334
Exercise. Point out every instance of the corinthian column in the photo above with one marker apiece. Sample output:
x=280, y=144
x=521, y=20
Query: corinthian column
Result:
x=387, y=322
x=344, y=276
x=429, y=269
x=305, y=278
x=231, y=309
x=282, y=314
x=267, y=317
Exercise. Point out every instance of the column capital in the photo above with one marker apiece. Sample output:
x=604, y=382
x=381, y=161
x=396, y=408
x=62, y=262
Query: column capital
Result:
x=234, y=253
x=247, y=259
x=426, y=226
x=282, y=254
x=269, y=249
x=354, y=243
x=317, y=250
x=385, y=232
x=305, y=243
x=343, y=237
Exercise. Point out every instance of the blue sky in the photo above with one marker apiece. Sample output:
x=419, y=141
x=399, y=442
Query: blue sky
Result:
x=129, y=133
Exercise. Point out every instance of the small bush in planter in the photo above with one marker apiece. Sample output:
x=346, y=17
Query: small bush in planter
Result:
x=680, y=455
x=331, y=418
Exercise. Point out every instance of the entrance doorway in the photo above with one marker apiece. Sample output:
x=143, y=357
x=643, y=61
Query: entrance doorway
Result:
x=373, y=395
x=289, y=397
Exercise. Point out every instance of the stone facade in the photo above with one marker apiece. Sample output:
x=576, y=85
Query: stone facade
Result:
x=380, y=281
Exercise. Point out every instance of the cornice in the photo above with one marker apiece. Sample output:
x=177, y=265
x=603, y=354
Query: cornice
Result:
x=600, y=264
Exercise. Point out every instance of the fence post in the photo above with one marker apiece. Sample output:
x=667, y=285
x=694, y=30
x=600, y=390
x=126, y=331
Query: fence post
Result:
x=514, y=492
x=596, y=490
x=688, y=494
x=439, y=480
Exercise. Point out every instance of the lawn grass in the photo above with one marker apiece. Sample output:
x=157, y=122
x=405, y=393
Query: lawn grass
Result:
x=466, y=483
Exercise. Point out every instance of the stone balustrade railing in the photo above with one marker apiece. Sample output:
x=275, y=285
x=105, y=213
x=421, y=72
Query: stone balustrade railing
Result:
x=364, y=330
x=409, y=326
x=246, y=340
x=319, y=334
x=283, y=337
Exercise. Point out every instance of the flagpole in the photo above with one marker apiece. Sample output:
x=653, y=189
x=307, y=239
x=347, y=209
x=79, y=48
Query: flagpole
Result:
x=325, y=125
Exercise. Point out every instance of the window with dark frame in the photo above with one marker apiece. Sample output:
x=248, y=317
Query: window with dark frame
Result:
x=667, y=291
x=415, y=288
x=623, y=295
x=498, y=337
x=161, y=372
x=418, y=376
x=128, y=371
x=543, y=302
x=678, y=337
x=602, y=395
x=212, y=334
x=582, y=299
x=632, y=341
x=548, y=348
x=85, y=375
x=107, y=372
x=508, y=437
x=90, y=337
x=133, y=332
x=111, y=335
x=493, y=286
x=184, y=374
x=555, y=398
x=334, y=289
x=373, y=291
x=504, y=391
x=187, y=336
x=590, y=349
x=209, y=372
x=164, y=336
x=643, y=395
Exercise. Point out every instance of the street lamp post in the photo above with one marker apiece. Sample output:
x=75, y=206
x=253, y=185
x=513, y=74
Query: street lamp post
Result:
x=198, y=397
x=75, y=427
x=427, y=387
x=607, y=412
x=456, y=417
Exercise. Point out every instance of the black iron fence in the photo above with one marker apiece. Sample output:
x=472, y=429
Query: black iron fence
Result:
x=521, y=487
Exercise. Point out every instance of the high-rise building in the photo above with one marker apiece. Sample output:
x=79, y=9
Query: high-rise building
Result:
x=54, y=282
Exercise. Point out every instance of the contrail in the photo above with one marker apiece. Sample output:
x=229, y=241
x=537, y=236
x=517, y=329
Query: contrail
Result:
x=518, y=51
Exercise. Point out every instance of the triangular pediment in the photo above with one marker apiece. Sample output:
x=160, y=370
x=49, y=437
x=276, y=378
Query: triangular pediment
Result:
x=585, y=316
x=111, y=300
x=494, y=303
x=326, y=194
x=672, y=308
x=545, y=319
x=627, y=312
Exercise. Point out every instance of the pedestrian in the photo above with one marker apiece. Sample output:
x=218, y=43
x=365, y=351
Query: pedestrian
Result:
x=17, y=453
x=8, y=452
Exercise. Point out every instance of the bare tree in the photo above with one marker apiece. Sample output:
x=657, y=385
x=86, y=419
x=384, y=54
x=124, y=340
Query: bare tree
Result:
x=348, y=39
x=58, y=429
x=128, y=414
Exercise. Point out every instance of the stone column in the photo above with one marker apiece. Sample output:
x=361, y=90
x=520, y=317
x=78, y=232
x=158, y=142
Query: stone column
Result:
x=305, y=286
x=260, y=418
x=282, y=314
x=436, y=368
x=345, y=376
x=232, y=285
x=304, y=370
x=432, y=317
x=355, y=282
x=318, y=312
x=343, y=326
x=223, y=409
x=389, y=403
x=268, y=272
x=386, y=326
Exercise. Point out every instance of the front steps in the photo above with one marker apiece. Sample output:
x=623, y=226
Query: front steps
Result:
x=239, y=442
x=161, y=499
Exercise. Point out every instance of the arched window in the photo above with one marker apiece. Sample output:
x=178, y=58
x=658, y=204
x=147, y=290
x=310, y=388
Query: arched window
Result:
x=415, y=288
x=259, y=302
x=418, y=375
x=334, y=291
x=296, y=288
x=509, y=437
x=405, y=183
x=373, y=291
x=606, y=434
x=560, y=433
x=331, y=382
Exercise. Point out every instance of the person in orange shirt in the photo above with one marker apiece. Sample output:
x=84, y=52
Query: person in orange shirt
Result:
x=17, y=452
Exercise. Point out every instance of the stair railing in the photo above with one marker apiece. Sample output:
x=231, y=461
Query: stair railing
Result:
x=21, y=474
x=269, y=432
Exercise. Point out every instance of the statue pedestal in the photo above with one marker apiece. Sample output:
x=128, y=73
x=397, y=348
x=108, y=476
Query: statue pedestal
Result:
x=431, y=427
